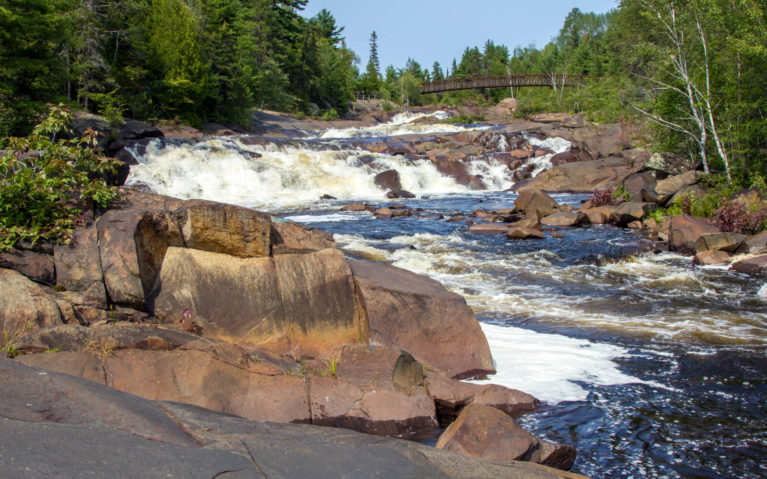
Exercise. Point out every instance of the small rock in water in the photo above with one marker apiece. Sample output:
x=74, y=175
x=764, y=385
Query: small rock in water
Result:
x=356, y=207
x=524, y=233
x=399, y=194
x=327, y=197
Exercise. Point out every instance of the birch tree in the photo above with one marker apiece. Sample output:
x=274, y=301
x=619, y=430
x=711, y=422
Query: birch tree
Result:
x=679, y=43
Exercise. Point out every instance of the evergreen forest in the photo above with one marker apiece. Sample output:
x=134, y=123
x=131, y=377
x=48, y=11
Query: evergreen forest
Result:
x=692, y=71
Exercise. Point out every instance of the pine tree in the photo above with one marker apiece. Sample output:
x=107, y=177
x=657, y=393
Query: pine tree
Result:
x=371, y=81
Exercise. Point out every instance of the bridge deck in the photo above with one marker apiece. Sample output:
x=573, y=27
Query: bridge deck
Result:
x=500, y=81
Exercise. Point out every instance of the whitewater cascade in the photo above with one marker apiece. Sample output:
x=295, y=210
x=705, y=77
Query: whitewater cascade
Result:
x=279, y=176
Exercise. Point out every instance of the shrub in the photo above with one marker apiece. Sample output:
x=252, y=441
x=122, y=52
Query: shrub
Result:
x=735, y=217
x=45, y=183
x=602, y=198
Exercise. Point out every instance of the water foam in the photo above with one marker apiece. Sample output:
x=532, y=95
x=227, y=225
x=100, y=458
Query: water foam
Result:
x=276, y=177
x=542, y=163
x=654, y=297
x=550, y=366
x=400, y=124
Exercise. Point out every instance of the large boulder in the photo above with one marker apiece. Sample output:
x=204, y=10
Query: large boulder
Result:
x=756, y=244
x=35, y=266
x=531, y=201
x=684, y=231
x=636, y=183
x=223, y=228
x=24, y=306
x=626, y=213
x=663, y=190
x=388, y=180
x=486, y=432
x=119, y=259
x=599, y=215
x=523, y=233
x=291, y=238
x=489, y=228
x=78, y=267
x=583, y=176
x=719, y=241
x=752, y=265
x=136, y=130
x=600, y=141
x=451, y=396
x=195, y=377
x=711, y=257
x=420, y=316
x=301, y=303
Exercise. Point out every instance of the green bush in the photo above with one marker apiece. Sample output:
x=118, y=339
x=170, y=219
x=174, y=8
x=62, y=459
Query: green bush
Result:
x=46, y=184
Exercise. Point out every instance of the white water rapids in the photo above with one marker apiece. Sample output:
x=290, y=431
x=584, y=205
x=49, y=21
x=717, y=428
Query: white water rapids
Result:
x=292, y=178
x=276, y=177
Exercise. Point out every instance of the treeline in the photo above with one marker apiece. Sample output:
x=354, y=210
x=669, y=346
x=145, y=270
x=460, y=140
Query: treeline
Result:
x=193, y=60
x=695, y=69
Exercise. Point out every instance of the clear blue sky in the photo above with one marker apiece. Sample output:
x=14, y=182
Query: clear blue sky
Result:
x=429, y=30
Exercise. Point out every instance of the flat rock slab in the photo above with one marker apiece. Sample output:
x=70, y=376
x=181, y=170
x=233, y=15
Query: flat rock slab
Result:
x=34, y=395
x=89, y=430
x=294, y=450
x=35, y=450
x=489, y=228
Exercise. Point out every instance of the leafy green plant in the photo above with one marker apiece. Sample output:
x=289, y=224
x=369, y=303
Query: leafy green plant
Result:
x=9, y=345
x=46, y=183
x=620, y=195
x=331, y=365
x=110, y=106
x=331, y=114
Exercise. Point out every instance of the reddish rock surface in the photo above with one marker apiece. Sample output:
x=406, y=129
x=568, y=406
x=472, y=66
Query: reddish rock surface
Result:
x=531, y=201
x=418, y=315
x=753, y=265
x=486, y=432
x=684, y=231
x=566, y=219
x=24, y=306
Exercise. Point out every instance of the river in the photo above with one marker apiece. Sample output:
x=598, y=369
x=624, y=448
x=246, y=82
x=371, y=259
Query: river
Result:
x=648, y=365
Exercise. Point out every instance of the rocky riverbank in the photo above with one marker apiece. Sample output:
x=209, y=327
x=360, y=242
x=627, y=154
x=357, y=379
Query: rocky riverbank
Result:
x=230, y=309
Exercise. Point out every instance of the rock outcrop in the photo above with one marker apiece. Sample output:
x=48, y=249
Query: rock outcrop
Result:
x=54, y=425
x=418, y=315
x=232, y=310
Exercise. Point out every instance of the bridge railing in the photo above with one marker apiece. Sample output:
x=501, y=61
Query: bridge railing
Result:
x=501, y=81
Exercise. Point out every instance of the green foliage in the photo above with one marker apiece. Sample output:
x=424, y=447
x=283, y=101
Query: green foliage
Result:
x=110, y=106
x=620, y=195
x=9, y=346
x=331, y=367
x=46, y=183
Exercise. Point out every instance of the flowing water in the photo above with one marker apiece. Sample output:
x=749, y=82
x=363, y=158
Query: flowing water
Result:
x=650, y=366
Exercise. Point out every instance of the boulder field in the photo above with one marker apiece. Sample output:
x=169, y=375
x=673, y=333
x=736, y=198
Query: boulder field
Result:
x=218, y=316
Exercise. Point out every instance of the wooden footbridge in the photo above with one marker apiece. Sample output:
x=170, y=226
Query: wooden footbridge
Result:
x=502, y=81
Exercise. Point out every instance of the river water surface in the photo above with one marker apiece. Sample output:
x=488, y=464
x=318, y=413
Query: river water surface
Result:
x=649, y=366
